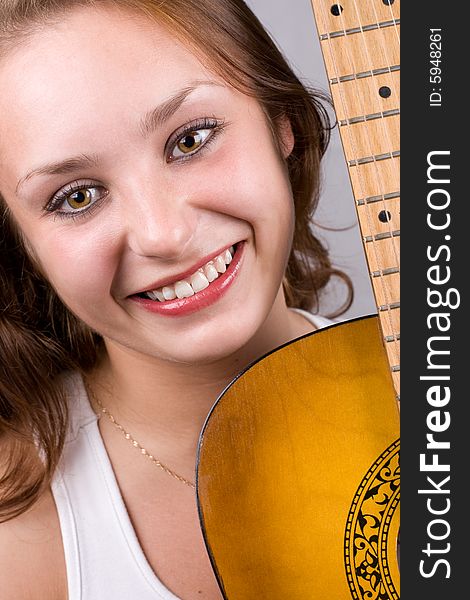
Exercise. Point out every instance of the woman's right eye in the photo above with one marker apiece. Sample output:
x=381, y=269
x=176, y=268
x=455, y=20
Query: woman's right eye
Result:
x=76, y=199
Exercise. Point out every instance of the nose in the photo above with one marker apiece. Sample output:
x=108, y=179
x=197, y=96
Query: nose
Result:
x=159, y=221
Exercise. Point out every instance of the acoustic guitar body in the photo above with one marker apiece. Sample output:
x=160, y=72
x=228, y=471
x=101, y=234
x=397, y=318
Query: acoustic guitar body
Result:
x=298, y=472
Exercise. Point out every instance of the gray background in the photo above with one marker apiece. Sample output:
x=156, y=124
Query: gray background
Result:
x=292, y=26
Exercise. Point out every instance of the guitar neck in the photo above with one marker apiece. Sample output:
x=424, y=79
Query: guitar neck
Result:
x=360, y=42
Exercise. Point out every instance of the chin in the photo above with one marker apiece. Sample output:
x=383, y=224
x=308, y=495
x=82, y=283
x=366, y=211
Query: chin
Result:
x=214, y=350
x=232, y=336
x=230, y=340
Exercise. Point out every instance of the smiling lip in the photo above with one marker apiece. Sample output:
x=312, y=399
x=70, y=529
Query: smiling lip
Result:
x=202, y=299
x=183, y=275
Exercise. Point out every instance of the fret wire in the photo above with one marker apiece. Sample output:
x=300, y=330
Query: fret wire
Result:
x=370, y=117
x=385, y=272
x=364, y=74
x=372, y=199
x=352, y=140
x=374, y=158
x=354, y=30
x=388, y=307
x=382, y=236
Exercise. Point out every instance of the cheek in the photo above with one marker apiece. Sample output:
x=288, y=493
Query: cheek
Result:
x=246, y=180
x=77, y=267
x=263, y=197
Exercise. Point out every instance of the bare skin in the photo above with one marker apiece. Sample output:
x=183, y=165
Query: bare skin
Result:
x=31, y=555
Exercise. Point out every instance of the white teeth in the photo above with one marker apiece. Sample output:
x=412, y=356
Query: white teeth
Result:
x=183, y=289
x=219, y=264
x=169, y=293
x=156, y=295
x=211, y=272
x=199, y=281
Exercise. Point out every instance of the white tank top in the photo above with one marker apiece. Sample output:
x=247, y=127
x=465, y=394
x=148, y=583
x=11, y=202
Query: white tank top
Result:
x=103, y=557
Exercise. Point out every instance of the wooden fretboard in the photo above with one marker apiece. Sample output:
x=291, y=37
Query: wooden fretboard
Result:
x=360, y=42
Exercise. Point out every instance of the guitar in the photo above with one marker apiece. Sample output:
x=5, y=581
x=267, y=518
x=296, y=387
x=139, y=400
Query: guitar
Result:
x=298, y=480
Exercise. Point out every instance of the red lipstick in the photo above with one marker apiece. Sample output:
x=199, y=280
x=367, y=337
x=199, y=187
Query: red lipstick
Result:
x=204, y=298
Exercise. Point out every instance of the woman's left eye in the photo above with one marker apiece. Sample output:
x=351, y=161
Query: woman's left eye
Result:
x=190, y=142
x=193, y=137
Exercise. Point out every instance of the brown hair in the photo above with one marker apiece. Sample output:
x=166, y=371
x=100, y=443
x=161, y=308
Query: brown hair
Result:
x=39, y=337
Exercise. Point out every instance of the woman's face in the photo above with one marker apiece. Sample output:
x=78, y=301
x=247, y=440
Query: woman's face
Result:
x=135, y=174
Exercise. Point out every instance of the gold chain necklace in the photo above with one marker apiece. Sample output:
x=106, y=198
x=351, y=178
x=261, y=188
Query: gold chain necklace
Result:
x=137, y=445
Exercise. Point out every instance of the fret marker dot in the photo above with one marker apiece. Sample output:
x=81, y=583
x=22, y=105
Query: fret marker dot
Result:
x=447, y=237
x=385, y=91
x=385, y=216
x=336, y=10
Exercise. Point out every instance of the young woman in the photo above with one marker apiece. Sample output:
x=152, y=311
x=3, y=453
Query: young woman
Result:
x=159, y=167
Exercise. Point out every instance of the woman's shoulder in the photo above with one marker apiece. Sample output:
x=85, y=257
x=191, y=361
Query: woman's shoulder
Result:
x=31, y=554
x=31, y=550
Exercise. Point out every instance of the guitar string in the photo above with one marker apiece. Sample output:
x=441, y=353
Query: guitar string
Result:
x=367, y=212
x=393, y=18
x=353, y=145
x=384, y=126
x=393, y=351
x=386, y=132
x=354, y=148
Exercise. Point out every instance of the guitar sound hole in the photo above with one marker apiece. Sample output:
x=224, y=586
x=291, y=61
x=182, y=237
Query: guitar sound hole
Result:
x=337, y=9
x=385, y=91
x=385, y=216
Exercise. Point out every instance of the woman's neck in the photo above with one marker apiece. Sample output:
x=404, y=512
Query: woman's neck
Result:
x=166, y=403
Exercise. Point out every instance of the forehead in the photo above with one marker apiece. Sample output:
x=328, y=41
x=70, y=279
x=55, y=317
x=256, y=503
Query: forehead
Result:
x=88, y=41
x=78, y=34
x=92, y=65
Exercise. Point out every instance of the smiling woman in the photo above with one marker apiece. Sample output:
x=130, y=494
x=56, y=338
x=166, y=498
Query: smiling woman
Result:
x=159, y=167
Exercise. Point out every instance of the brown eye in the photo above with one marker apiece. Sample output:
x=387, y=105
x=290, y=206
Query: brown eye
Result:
x=76, y=199
x=190, y=142
x=80, y=198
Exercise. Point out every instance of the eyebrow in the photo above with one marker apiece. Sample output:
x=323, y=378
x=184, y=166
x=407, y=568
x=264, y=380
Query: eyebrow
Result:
x=69, y=165
x=157, y=117
x=151, y=121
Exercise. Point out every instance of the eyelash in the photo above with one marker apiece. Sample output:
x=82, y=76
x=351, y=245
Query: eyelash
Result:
x=53, y=206
x=216, y=126
x=61, y=196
